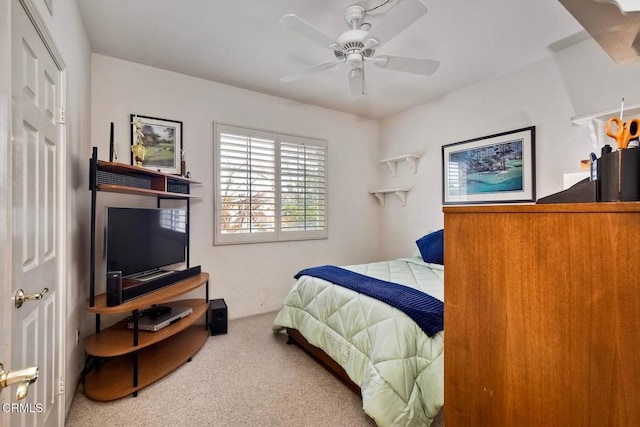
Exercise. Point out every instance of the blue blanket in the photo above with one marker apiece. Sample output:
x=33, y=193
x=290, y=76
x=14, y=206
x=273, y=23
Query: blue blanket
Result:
x=422, y=308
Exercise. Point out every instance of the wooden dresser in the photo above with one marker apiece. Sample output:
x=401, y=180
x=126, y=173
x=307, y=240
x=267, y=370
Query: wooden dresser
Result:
x=542, y=315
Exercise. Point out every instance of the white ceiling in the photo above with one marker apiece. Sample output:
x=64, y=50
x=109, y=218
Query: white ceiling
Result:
x=240, y=43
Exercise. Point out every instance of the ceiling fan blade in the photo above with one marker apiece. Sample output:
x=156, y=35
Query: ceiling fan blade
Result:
x=307, y=72
x=302, y=27
x=409, y=65
x=356, y=82
x=400, y=17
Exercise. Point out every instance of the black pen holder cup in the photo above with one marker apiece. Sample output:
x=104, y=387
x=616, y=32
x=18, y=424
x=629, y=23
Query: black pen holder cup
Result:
x=619, y=176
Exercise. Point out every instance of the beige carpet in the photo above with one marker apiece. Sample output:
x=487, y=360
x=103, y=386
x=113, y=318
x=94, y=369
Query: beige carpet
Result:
x=249, y=377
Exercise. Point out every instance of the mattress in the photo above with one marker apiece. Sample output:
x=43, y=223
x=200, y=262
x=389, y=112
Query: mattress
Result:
x=399, y=369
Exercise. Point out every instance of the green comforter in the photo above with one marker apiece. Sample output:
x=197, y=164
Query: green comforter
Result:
x=399, y=369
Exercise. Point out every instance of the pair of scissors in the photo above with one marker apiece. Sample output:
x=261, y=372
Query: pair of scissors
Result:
x=624, y=131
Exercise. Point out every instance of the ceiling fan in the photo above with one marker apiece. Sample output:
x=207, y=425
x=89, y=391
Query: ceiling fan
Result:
x=358, y=45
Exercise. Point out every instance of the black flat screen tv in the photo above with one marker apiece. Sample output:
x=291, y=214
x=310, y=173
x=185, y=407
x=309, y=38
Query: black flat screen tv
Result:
x=141, y=240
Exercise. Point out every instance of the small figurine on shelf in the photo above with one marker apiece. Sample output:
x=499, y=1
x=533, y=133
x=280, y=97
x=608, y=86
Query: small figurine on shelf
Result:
x=138, y=149
x=183, y=165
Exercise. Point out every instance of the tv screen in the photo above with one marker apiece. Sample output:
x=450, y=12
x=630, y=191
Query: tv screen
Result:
x=144, y=239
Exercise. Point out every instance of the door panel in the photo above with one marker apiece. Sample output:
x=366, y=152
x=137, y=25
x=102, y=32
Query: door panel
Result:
x=35, y=180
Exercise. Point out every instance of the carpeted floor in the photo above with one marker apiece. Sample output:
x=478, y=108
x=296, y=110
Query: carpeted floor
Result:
x=249, y=377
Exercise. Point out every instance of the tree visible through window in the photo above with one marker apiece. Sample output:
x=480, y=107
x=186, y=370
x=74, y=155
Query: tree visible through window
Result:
x=269, y=186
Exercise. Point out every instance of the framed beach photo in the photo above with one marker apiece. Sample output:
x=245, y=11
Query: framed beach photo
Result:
x=162, y=139
x=497, y=168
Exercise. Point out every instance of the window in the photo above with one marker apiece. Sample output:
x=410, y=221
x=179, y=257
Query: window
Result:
x=269, y=187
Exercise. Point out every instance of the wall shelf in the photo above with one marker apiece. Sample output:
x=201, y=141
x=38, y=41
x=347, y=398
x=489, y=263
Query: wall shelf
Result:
x=411, y=159
x=597, y=122
x=615, y=30
x=400, y=192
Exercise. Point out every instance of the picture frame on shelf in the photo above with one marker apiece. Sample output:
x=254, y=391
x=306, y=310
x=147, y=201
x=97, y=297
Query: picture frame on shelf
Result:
x=497, y=168
x=162, y=139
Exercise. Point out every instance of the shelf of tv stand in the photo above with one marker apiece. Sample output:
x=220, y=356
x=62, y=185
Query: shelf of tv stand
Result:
x=110, y=188
x=124, y=169
x=164, y=294
x=126, y=179
x=158, y=353
x=117, y=340
x=113, y=379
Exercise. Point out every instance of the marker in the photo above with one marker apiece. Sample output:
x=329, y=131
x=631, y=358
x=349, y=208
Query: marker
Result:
x=594, y=167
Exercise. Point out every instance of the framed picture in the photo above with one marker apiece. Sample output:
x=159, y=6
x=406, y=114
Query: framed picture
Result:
x=497, y=168
x=162, y=139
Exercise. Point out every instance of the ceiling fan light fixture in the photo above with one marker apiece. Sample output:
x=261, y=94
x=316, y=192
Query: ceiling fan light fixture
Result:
x=354, y=59
x=355, y=73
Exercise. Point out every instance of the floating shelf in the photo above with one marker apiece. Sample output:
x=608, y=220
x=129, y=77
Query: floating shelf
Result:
x=629, y=112
x=596, y=123
x=411, y=159
x=400, y=192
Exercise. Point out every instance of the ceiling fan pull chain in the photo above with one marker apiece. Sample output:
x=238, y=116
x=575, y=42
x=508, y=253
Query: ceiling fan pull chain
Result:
x=363, y=84
x=378, y=6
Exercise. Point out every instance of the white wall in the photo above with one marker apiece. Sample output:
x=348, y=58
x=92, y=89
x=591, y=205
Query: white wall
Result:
x=579, y=80
x=252, y=278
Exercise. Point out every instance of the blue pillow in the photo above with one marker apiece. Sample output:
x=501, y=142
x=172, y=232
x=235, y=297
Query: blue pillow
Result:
x=431, y=247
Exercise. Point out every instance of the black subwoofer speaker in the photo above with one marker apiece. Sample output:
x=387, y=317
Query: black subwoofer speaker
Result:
x=218, y=316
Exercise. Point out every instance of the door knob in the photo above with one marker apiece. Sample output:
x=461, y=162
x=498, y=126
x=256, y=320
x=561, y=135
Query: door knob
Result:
x=23, y=377
x=21, y=297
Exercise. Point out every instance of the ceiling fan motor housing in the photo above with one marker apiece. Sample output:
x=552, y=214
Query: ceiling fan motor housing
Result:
x=351, y=43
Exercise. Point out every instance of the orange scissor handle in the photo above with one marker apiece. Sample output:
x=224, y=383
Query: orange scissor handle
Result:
x=624, y=131
x=633, y=126
x=619, y=129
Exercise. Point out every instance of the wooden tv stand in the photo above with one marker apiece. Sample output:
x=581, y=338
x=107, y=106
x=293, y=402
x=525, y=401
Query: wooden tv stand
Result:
x=128, y=360
x=139, y=358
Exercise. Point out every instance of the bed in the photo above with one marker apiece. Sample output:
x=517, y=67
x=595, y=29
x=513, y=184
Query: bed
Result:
x=378, y=349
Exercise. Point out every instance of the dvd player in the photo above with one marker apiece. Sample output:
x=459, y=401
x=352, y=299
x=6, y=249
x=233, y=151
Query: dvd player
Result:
x=155, y=323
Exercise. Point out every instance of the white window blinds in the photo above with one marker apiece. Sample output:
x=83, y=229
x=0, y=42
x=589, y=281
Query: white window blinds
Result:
x=247, y=184
x=269, y=186
x=302, y=172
